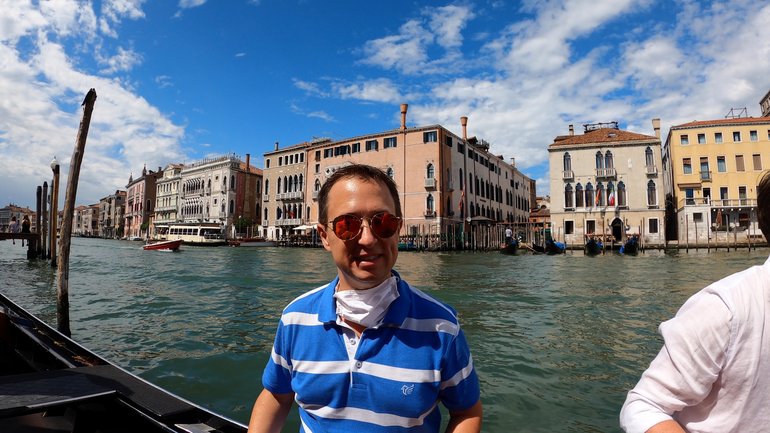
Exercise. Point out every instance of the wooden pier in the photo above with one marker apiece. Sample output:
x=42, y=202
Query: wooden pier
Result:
x=33, y=240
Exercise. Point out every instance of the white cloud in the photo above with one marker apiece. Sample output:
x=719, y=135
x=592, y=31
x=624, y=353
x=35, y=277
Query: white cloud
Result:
x=187, y=4
x=310, y=88
x=40, y=111
x=123, y=61
x=163, y=81
x=377, y=90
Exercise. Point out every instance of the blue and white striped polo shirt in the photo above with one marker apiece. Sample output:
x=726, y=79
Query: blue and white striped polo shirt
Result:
x=402, y=368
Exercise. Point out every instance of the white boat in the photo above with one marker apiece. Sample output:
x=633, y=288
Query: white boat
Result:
x=203, y=234
x=252, y=242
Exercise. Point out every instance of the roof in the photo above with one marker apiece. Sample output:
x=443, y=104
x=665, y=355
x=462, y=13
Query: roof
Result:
x=722, y=122
x=601, y=135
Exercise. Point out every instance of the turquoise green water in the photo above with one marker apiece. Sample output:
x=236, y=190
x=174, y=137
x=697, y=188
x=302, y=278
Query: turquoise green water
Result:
x=557, y=340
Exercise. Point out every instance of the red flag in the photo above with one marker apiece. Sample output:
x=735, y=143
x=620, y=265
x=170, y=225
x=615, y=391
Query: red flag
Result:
x=611, y=199
x=598, y=196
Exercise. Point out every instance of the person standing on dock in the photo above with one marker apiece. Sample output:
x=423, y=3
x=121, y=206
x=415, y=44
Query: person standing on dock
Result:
x=713, y=372
x=367, y=352
x=25, y=224
x=13, y=227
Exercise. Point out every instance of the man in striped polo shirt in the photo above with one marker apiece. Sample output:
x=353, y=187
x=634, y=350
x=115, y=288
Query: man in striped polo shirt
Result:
x=367, y=352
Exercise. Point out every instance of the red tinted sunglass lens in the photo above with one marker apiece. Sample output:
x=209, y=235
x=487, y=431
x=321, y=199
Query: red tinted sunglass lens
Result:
x=384, y=225
x=346, y=227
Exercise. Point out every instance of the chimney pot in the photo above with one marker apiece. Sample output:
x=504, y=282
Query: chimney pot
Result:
x=571, y=130
x=656, y=126
x=276, y=145
x=464, y=123
x=404, y=107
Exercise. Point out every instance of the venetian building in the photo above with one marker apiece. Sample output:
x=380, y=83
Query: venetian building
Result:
x=140, y=203
x=448, y=183
x=110, y=219
x=167, y=190
x=713, y=167
x=220, y=190
x=607, y=182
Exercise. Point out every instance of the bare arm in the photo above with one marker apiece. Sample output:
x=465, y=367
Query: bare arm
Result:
x=465, y=421
x=270, y=411
x=669, y=426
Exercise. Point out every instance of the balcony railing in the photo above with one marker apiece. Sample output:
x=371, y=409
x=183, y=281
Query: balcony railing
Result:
x=606, y=172
x=429, y=213
x=652, y=170
x=430, y=182
x=288, y=222
x=705, y=176
x=265, y=197
x=722, y=202
x=568, y=174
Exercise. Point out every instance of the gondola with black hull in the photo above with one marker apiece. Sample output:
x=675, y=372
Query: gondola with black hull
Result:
x=50, y=383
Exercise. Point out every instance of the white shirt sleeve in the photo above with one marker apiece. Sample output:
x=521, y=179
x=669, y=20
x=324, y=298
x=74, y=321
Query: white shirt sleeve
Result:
x=696, y=342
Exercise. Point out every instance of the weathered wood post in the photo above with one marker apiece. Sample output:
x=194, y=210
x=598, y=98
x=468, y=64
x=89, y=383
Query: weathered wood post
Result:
x=38, y=209
x=62, y=290
x=44, y=224
x=55, y=167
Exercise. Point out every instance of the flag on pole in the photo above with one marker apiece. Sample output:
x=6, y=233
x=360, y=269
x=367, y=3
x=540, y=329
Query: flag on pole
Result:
x=462, y=200
x=598, y=196
x=611, y=199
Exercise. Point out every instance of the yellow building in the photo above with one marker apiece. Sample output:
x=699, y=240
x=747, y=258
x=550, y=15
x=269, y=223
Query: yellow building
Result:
x=713, y=167
x=448, y=183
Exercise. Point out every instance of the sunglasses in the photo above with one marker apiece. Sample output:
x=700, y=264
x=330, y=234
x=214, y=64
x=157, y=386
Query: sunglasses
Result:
x=382, y=224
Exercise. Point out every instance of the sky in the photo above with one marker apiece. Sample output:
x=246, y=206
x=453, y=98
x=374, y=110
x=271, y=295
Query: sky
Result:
x=178, y=81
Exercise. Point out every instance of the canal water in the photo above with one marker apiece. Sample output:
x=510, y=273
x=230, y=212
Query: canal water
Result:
x=557, y=340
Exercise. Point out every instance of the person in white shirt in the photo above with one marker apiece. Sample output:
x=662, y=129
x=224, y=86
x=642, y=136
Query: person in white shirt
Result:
x=713, y=372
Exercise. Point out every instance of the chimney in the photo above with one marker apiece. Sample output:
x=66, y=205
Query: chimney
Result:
x=276, y=145
x=403, y=115
x=248, y=159
x=464, y=123
x=571, y=130
x=513, y=162
x=656, y=127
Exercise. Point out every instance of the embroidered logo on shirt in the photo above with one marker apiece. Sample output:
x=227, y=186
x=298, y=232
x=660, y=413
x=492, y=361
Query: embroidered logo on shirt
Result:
x=407, y=389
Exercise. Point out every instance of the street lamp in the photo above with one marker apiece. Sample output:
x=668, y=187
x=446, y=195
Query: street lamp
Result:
x=54, y=215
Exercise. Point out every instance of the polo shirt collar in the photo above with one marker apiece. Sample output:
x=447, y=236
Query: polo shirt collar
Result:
x=396, y=314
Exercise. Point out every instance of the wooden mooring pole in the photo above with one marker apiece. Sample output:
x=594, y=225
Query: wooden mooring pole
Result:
x=63, y=270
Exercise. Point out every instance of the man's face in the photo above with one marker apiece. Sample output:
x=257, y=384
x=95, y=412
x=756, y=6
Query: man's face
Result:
x=365, y=261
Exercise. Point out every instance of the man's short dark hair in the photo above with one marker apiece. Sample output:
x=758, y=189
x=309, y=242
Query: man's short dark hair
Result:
x=360, y=171
x=763, y=204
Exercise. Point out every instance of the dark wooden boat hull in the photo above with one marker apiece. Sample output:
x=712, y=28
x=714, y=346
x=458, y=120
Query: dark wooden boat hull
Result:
x=48, y=382
x=509, y=249
x=592, y=248
x=551, y=248
x=631, y=247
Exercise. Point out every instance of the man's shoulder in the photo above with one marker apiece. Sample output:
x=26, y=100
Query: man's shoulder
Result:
x=308, y=301
x=426, y=305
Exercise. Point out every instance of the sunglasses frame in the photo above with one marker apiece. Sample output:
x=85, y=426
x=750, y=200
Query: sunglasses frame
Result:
x=361, y=229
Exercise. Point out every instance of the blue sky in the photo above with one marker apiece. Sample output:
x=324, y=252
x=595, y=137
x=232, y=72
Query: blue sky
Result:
x=178, y=81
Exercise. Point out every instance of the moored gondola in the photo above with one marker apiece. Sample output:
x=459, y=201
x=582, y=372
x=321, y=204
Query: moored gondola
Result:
x=630, y=246
x=48, y=382
x=510, y=248
x=593, y=246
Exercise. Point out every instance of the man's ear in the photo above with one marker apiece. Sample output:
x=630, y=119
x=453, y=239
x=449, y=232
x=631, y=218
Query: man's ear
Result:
x=324, y=236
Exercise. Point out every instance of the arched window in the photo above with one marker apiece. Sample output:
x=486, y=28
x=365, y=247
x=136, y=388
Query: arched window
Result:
x=429, y=206
x=232, y=207
x=307, y=212
x=567, y=162
x=579, y=195
x=232, y=182
x=301, y=184
x=462, y=179
x=611, y=194
x=589, y=195
x=621, y=194
x=266, y=215
x=568, y=197
x=429, y=171
x=279, y=186
x=608, y=163
x=599, y=160
x=317, y=185
x=600, y=196
x=278, y=213
x=267, y=187
x=652, y=196
x=648, y=158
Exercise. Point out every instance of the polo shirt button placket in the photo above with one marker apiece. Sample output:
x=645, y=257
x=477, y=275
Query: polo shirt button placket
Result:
x=358, y=365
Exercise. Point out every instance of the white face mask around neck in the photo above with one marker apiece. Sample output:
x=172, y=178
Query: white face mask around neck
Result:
x=367, y=307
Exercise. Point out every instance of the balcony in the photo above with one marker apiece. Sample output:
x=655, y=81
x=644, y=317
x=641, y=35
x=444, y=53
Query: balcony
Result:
x=606, y=173
x=296, y=195
x=652, y=170
x=705, y=176
x=288, y=222
x=315, y=195
x=429, y=213
x=568, y=175
x=265, y=197
x=430, y=182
